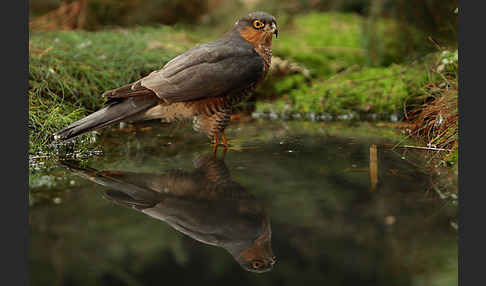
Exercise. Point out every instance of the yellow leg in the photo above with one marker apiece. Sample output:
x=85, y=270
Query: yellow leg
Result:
x=216, y=143
x=225, y=141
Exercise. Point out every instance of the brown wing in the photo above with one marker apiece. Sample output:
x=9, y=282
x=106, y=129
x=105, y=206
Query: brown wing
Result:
x=208, y=70
x=129, y=90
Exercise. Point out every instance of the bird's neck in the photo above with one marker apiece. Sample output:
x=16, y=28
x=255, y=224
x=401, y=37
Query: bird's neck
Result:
x=266, y=55
x=262, y=42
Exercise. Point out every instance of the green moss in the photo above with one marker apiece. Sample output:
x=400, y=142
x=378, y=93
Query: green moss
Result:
x=356, y=66
x=376, y=90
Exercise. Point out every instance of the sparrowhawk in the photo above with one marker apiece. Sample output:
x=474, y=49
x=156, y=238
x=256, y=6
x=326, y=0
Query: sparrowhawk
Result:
x=205, y=204
x=203, y=83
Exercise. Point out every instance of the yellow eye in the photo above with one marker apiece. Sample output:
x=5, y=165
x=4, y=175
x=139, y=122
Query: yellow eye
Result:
x=257, y=24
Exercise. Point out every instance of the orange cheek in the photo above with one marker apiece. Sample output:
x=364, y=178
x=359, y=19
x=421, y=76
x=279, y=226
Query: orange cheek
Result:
x=257, y=251
x=252, y=36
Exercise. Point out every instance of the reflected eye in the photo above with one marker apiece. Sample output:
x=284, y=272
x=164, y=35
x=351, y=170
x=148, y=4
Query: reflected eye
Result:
x=257, y=24
x=256, y=264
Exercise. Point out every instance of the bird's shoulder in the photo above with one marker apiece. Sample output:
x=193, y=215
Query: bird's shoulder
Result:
x=211, y=52
x=207, y=70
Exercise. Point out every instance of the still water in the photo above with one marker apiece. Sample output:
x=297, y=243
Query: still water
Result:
x=290, y=203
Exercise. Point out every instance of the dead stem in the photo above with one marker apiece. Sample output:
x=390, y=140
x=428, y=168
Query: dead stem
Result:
x=416, y=147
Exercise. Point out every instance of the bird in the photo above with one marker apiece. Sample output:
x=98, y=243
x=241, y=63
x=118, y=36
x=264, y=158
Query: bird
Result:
x=205, y=204
x=202, y=84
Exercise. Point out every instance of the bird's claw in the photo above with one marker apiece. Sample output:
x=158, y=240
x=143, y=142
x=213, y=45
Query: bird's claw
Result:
x=225, y=143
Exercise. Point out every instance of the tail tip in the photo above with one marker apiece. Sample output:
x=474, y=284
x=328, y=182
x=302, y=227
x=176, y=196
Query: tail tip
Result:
x=56, y=136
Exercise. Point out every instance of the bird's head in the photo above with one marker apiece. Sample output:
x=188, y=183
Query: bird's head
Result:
x=258, y=28
x=257, y=256
x=256, y=259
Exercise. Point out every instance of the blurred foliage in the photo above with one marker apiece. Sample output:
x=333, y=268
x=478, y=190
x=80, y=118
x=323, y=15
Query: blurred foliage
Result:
x=388, y=41
x=431, y=16
x=40, y=7
x=103, y=13
x=323, y=42
x=327, y=43
x=135, y=12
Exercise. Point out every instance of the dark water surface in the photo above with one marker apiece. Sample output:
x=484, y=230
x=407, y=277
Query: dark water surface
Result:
x=292, y=203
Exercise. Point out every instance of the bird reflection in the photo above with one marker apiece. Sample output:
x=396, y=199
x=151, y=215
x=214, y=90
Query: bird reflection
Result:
x=204, y=204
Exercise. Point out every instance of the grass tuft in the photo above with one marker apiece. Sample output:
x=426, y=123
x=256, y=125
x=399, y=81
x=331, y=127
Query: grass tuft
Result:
x=436, y=121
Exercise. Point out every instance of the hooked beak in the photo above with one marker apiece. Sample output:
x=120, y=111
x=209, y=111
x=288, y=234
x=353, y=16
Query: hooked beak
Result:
x=274, y=29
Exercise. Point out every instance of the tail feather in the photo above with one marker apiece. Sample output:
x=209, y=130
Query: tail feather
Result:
x=106, y=116
x=123, y=192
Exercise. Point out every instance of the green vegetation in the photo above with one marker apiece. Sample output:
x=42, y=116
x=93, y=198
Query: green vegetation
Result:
x=371, y=90
x=352, y=68
x=337, y=66
x=366, y=68
x=327, y=43
x=436, y=119
x=323, y=43
x=355, y=67
x=68, y=71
